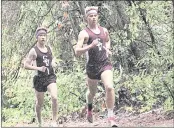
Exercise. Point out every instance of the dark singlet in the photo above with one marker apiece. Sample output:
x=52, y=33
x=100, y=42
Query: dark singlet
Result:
x=97, y=55
x=44, y=59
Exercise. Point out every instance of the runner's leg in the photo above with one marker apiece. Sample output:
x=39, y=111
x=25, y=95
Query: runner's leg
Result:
x=92, y=88
x=39, y=104
x=107, y=79
x=52, y=89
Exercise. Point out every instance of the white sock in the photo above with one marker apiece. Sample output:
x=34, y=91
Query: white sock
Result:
x=110, y=113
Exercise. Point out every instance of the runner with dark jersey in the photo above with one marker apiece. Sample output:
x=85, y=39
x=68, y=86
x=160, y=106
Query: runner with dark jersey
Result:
x=43, y=79
x=97, y=61
x=98, y=67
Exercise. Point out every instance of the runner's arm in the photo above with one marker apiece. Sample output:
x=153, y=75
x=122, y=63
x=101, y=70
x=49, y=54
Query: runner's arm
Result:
x=108, y=42
x=79, y=50
x=54, y=63
x=31, y=57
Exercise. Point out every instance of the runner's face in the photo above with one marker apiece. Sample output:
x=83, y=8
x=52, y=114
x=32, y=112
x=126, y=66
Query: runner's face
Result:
x=42, y=38
x=92, y=18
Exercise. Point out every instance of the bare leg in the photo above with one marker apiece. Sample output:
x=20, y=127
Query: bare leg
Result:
x=39, y=104
x=92, y=88
x=107, y=79
x=52, y=89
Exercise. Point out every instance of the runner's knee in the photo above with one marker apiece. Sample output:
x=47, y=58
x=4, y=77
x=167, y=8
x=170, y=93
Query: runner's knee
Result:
x=91, y=93
x=54, y=98
x=39, y=104
x=109, y=88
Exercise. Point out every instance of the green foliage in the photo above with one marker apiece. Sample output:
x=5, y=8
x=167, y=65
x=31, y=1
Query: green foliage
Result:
x=20, y=98
x=12, y=116
x=71, y=87
x=147, y=65
x=153, y=91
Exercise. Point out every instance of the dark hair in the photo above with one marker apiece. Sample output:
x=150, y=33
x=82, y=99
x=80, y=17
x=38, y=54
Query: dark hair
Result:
x=41, y=28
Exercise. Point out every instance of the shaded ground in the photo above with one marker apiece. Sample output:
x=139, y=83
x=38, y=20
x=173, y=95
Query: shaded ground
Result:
x=149, y=119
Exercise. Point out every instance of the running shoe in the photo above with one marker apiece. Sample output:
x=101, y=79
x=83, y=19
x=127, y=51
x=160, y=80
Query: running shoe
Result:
x=53, y=124
x=89, y=116
x=112, y=122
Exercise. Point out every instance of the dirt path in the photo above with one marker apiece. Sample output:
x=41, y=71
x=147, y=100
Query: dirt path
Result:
x=148, y=119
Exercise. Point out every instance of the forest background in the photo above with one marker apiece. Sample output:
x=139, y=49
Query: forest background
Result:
x=142, y=36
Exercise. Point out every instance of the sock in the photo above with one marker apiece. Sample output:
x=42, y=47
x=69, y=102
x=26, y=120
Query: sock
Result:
x=89, y=107
x=89, y=102
x=110, y=113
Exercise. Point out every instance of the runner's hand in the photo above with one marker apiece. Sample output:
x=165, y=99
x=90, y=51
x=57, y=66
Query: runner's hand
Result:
x=42, y=69
x=108, y=52
x=94, y=43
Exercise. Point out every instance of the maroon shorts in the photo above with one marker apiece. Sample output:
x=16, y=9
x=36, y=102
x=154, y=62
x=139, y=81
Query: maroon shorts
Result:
x=94, y=72
x=41, y=83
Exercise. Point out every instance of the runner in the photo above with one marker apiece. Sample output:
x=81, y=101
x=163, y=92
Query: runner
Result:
x=98, y=66
x=45, y=79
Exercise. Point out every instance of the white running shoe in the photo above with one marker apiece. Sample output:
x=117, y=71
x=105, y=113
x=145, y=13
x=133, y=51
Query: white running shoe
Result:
x=112, y=122
x=53, y=124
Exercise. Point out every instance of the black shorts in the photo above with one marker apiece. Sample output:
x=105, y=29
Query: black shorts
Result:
x=94, y=72
x=41, y=83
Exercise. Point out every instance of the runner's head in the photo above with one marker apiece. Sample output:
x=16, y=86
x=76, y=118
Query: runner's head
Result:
x=40, y=30
x=41, y=34
x=91, y=14
x=91, y=10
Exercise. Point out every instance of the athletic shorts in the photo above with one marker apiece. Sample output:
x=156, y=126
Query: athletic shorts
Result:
x=94, y=72
x=41, y=83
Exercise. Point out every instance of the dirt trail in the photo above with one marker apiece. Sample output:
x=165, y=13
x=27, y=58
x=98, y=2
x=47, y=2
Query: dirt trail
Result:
x=148, y=119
